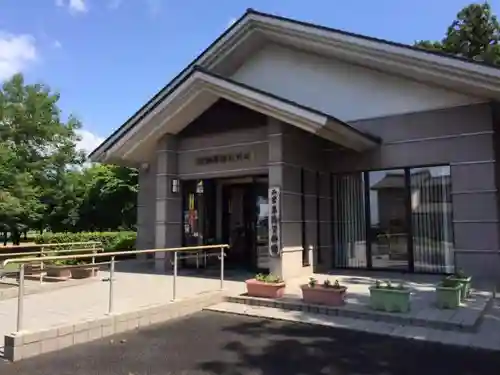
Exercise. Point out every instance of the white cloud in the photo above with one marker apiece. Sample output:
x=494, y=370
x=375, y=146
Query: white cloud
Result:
x=16, y=53
x=74, y=6
x=56, y=44
x=231, y=21
x=89, y=141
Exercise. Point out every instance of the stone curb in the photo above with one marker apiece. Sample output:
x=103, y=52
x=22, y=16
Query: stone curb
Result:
x=360, y=328
x=467, y=327
x=28, y=344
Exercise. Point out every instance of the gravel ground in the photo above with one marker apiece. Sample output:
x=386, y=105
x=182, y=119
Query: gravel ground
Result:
x=211, y=343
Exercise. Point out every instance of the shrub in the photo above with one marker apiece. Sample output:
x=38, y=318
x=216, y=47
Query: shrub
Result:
x=111, y=241
x=268, y=278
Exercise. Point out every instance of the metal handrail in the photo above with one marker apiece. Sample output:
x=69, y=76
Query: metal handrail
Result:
x=23, y=261
x=115, y=253
x=56, y=247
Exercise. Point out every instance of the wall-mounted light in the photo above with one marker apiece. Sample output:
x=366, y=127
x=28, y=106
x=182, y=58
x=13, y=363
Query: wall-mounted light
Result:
x=145, y=167
x=175, y=185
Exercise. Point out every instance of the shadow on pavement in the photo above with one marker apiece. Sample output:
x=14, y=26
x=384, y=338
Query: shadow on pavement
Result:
x=303, y=350
x=221, y=344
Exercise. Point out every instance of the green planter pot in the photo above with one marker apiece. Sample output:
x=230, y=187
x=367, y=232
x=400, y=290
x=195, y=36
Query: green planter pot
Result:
x=448, y=297
x=390, y=300
x=465, y=284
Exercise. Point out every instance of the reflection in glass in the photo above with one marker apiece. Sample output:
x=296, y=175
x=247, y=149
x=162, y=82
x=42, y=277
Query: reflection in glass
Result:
x=388, y=232
x=431, y=210
x=349, y=221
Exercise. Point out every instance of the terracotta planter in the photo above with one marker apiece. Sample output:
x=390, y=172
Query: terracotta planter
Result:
x=83, y=272
x=320, y=295
x=265, y=290
x=58, y=271
x=30, y=269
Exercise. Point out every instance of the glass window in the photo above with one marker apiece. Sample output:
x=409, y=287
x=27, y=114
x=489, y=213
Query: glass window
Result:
x=349, y=221
x=394, y=219
x=388, y=219
x=431, y=216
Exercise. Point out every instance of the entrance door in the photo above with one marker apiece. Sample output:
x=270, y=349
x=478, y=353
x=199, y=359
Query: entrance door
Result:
x=389, y=225
x=245, y=224
x=237, y=225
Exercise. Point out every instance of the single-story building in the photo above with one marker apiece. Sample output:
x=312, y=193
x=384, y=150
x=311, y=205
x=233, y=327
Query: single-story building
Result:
x=311, y=149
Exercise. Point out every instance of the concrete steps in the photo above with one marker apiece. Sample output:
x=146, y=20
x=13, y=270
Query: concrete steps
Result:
x=465, y=319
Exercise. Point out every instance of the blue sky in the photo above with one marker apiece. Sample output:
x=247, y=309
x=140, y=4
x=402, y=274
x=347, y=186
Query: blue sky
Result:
x=108, y=57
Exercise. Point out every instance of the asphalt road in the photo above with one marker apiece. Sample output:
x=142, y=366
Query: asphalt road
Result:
x=212, y=343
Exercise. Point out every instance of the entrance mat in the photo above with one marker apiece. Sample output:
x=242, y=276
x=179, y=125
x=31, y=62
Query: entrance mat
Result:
x=467, y=318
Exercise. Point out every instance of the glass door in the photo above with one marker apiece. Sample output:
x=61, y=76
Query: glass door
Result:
x=388, y=231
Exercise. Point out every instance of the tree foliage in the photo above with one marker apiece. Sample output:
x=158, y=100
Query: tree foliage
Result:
x=44, y=183
x=474, y=34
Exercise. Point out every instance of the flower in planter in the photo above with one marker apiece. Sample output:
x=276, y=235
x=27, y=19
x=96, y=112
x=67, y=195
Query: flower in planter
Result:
x=388, y=285
x=326, y=294
x=460, y=274
x=64, y=262
x=312, y=282
x=266, y=286
x=268, y=278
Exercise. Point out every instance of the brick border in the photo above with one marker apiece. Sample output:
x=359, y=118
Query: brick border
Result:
x=378, y=316
x=29, y=344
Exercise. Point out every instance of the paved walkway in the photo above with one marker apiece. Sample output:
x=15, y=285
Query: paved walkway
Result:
x=133, y=289
x=218, y=344
x=137, y=287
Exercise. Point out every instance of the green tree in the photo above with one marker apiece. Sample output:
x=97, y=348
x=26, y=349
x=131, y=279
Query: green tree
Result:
x=474, y=34
x=37, y=150
x=109, y=202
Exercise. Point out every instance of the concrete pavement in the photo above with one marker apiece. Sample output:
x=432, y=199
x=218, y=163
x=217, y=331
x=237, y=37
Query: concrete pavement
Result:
x=222, y=344
x=134, y=288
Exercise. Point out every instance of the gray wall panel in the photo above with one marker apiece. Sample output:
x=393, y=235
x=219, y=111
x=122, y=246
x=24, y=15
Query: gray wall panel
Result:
x=475, y=207
x=475, y=176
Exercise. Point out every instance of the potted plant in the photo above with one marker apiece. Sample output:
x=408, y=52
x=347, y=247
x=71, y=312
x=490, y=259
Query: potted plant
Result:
x=448, y=294
x=325, y=294
x=266, y=286
x=464, y=281
x=387, y=297
x=84, y=270
x=59, y=268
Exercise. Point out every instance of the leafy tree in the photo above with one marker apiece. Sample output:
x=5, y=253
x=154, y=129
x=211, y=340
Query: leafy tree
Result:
x=109, y=202
x=474, y=34
x=37, y=148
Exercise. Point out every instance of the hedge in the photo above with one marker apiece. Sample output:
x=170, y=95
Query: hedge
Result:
x=111, y=241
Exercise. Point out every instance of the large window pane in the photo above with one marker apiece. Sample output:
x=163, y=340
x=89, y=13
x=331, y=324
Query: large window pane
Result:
x=388, y=222
x=349, y=221
x=431, y=210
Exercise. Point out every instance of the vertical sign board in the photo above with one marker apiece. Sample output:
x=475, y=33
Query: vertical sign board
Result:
x=274, y=222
